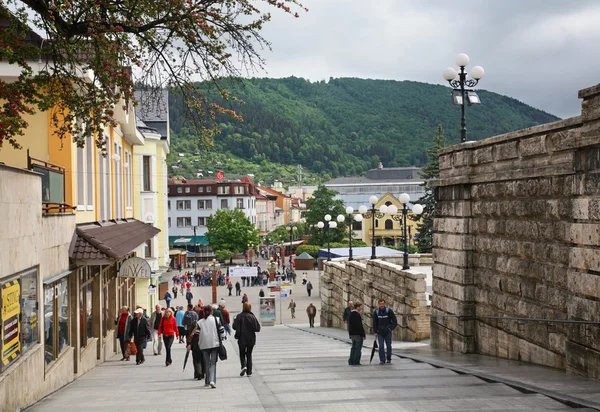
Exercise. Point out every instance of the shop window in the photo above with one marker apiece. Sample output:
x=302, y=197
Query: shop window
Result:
x=146, y=174
x=85, y=313
x=19, y=301
x=56, y=319
x=148, y=248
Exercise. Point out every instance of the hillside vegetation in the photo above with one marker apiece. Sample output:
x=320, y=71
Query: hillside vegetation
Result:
x=342, y=127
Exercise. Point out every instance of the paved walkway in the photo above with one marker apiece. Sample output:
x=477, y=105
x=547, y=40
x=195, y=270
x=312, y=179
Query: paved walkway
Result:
x=294, y=371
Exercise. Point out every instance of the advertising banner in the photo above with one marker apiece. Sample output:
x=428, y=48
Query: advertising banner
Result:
x=267, y=313
x=239, y=271
x=11, y=328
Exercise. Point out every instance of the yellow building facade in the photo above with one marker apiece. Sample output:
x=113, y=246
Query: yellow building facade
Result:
x=388, y=229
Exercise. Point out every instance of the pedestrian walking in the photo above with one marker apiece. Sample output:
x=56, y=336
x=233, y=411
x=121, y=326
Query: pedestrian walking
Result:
x=244, y=298
x=193, y=345
x=174, y=290
x=229, y=287
x=123, y=324
x=346, y=315
x=210, y=330
x=357, y=334
x=311, y=311
x=189, y=297
x=309, y=288
x=188, y=322
x=226, y=317
x=261, y=294
x=179, y=321
x=238, y=288
x=155, y=320
x=168, y=330
x=292, y=308
x=304, y=279
x=139, y=333
x=168, y=299
x=246, y=325
x=384, y=322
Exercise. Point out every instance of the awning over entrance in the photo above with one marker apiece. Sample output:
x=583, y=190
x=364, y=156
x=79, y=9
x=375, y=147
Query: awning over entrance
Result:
x=103, y=242
x=188, y=240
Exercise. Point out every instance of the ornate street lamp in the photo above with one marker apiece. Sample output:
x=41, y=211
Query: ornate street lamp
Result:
x=460, y=94
x=195, y=251
x=329, y=225
x=291, y=228
x=372, y=213
x=215, y=268
x=417, y=210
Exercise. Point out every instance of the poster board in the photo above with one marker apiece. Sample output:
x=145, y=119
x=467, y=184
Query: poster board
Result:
x=240, y=271
x=267, y=313
x=11, y=328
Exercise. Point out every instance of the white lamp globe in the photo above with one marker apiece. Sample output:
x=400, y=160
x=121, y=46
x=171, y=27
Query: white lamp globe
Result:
x=328, y=217
x=417, y=209
x=332, y=225
x=373, y=200
x=477, y=72
x=362, y=209
x=392, y=209
x=462, y=60
x=358, y=218
x=449, y=74
x=404, y=198
x=383, y=209
x=320, y=225
x=349, y=210
x=341, y=218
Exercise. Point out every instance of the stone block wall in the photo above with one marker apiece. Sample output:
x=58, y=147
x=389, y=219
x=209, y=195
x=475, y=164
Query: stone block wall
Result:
x=517, y=236
x=368, y=281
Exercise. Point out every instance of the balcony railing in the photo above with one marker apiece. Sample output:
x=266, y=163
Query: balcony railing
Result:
x=53, y=185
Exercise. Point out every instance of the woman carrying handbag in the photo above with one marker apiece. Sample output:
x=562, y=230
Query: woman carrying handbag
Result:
x=211, y=334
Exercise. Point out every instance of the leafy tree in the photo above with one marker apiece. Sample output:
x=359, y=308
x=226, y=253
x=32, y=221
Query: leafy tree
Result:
x=428, y=173
x=230, y=230
x=154, y=43
x=320, y=204
x=223, y=255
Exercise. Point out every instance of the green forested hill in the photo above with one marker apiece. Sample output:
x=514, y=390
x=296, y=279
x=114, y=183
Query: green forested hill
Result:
x=345, y=126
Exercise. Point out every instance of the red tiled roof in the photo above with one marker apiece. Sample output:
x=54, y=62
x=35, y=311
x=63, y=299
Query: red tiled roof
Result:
x=112, y=239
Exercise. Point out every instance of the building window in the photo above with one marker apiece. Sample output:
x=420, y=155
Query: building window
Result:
x=169, y=204
x=239, y=190
x=224, y=204
x=223, y=190
x=146, y=172
x=148, y=248
x=239, y=203
x=184, y=205
x=376, y=223
x=179, y=190
x=208, y=189
x=169, y=220
x=56, y=319
x=200, y=189
x=18, y=300
x=128, y=180
x=184, y=222
x=204, y=204
x=202, y=221
x=118, y=172
x=356, y=225
x=105, y=201
x=85, y=175
x=389, y=224
x=187, y=190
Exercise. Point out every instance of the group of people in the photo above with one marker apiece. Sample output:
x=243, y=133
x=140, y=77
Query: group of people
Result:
x=384, y=322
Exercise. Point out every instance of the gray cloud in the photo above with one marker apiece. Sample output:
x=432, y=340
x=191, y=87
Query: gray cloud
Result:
x=538, y=51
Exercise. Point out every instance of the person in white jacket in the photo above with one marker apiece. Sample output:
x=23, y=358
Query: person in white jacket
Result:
x=209, y=330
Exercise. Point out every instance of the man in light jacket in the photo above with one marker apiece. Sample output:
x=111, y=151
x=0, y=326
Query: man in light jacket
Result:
x=211, y=333
x=154, y=324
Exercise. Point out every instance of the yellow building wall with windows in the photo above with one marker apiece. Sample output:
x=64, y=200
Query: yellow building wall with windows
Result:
x=381, y=234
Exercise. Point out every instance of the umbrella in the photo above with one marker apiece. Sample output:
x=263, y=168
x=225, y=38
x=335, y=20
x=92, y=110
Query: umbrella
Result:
x=375, y=347
x=187, y=355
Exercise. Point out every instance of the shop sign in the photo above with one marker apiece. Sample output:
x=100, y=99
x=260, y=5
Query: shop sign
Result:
x=135, y=267
x=11, y=328
x=152, y=290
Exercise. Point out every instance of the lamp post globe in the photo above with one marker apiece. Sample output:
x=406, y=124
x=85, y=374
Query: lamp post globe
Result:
x=358, y=218
x=383, y=209
x=341, y=218
x=462, y=60
x=320, y=225
x=477, y=73
x=327, y=218
x=449, y=74
x=392, y=209
x=373, y=200
x=349, y=210
x=363, y=209
x=417, y=209
x=404, y=198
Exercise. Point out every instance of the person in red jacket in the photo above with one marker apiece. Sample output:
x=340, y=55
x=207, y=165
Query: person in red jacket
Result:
x=168, y=329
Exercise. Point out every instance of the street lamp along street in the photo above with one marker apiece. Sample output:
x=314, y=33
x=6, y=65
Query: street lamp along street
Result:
x=462, y=88
x=215, y=268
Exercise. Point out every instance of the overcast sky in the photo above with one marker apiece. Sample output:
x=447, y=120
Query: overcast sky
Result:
x=538, y=51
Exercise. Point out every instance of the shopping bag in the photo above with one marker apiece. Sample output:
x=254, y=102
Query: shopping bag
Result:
x=131, y=348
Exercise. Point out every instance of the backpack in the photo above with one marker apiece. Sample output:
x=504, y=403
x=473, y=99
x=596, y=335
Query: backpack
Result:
x=189, y=296
x=187, y=318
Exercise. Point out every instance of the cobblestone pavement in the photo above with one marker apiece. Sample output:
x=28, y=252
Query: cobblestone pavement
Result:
x=294, y=371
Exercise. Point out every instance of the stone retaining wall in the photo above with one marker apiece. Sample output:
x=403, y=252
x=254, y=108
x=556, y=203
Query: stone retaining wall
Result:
x=517, y=235
x=369, y=280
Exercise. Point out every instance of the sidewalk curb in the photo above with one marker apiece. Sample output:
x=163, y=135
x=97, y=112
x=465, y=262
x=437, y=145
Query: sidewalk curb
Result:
x=520, y=386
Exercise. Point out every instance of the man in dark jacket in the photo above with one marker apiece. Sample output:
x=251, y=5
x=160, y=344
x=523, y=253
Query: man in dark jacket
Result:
x=347, y=311
x=357, y=334
x=384, y=322
x=246, y=325
x=189, y=297
x=139, y=333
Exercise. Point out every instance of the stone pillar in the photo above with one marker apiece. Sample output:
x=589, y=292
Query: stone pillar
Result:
x=326, y=290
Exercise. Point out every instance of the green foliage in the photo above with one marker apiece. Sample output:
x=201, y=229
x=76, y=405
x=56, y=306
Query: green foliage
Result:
x=280, y=235
x=230, y=230
x=346, y=126
x=312, y=250
x=430, y=172
x=320, y=204
x=223, y=255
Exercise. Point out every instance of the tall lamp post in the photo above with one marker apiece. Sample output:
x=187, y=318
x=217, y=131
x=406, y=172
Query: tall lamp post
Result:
x=417, y=210
x=329, y=225
x=215, y=268
x=291, y=228
x=195, y=252
x=372, y=213
x=462, y=88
